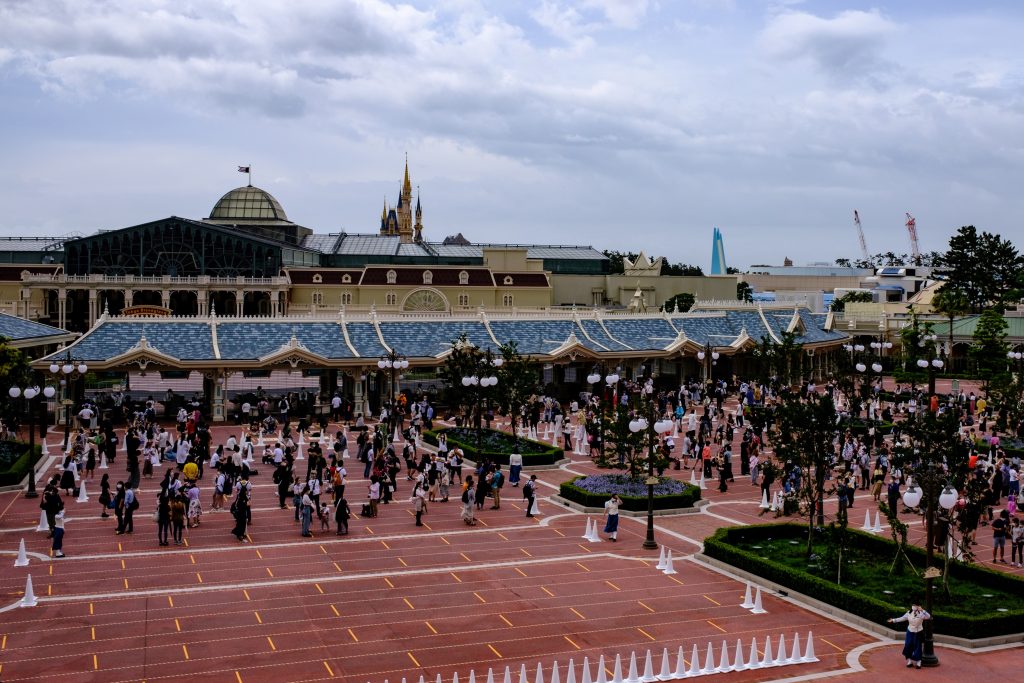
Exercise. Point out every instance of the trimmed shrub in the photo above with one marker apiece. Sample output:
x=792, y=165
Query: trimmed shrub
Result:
x=497, y=446
x=18, y=468
x=722, y=546
x=686, y=498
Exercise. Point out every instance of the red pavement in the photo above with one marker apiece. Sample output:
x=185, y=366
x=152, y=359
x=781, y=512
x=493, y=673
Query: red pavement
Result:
x=389, y=601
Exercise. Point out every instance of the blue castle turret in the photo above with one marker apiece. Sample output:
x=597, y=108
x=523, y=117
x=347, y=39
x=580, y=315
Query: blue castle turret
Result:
x=718, y=266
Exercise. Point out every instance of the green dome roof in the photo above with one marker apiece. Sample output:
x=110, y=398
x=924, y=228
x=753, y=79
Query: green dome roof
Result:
x=247, y=204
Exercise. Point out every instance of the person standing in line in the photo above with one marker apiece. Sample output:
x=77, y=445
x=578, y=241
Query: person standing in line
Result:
x=611, y=511
x=915, y=618
x=341, y=516
x=497, y=481
x=119, y=507
x=530, y=494
x=515, y=466
x=374, y=495
x=177, y=509
x=468, y=500
x=999, y=528
x=105, y=497
x=307, y=511
x=419, y=503
x=163, y=515
x=58, y=535
x=240, y=508
x=131, y=504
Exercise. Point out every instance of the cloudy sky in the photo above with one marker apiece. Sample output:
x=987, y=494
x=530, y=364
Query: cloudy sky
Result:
x=625, y=124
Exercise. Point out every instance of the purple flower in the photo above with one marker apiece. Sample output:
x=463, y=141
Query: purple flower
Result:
x=624, y=486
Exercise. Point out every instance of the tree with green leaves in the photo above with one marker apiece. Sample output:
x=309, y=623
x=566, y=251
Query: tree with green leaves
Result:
x=839, y=305
x=952, y=303
x=467, y=360
x=989, y=348
x=680, y=303
x=517, y=382
x=983, y=267
x=744, y=292
x=777, y=360
x=14, y=371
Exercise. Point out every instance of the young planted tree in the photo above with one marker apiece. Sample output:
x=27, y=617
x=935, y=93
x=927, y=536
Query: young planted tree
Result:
x=990, y=347
x=517, y=382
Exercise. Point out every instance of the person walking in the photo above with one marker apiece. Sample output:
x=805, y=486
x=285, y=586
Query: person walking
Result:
x=530, y=494
x=240, y=509
x=163, y=515
x=119, y=507
x=915, y=618
x=497, y=481
x=419, y=503
x=307, y=511
x=515, y=466
x=105, y=496
x=342, y=513
x=468, y=500
x=611, y=511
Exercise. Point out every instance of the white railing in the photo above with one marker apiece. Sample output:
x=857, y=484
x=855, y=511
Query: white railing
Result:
x=154, y=280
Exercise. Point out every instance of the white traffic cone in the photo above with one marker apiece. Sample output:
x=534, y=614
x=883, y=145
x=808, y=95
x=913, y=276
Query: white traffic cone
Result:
x=775, y=502
x=723, y=660
x=809, y=652
x=794, y=655
x=438, y=679
x=472, y=677
x=617, y=669
x=748, y=600
x=737, y=661
x=877, y=527
x=508, y=676
x=702, y=486
x=661, y=558
x=103, y=462
x=766, y=659
x=594, y=538
x=602, y=674
x=22, y=559
x=455, y=678
x=43, y=524
x=490, y=675
x=302, y=437
x=83, y=497
x=634, y=676
x=586, y=532
x=758, y=608
x=764, y=500
x=867, y=521
x=585, y=675
x=753, y=662
x=694, y=663
x=780, y=657
x=669, y=569
x=693, y=478
x=649, y=676
x=298, y=454
x=45, y=450
x=709, y=661
x=666, y=669
x=570, y=672
x=680, y=670
x=522, y=673
x=539, y=676
x=29, y=599
x=554, y=672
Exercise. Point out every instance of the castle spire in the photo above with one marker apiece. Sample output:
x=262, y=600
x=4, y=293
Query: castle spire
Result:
x=406, y=183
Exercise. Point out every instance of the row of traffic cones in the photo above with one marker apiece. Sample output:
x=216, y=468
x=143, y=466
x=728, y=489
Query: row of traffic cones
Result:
x=683, y=669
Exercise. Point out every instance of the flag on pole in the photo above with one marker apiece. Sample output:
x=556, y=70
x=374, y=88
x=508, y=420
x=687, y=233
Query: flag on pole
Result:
x=243, y=169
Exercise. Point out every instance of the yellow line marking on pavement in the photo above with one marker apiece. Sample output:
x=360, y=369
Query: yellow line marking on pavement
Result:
x=126, y=584
x=122, y=565
x=414, y=661
x=317, y=585
x=330, y=671
x=246, y=594
x=479, y=597
x=646, y=634
x=677, y=581
x=335, y=610
x=273, y=648
x=717, y=626
x=323, y=549
x=572, y=642
x=428, y=526
x=445, y=540
x=583, y=567
x=526, y=552
x=90, y=608
x=406, y=601
x=573, y=610
x=584, y=547
x=502, y=617
x=259, y=619
x=247, y=536
x=495, y=651
x=119, y=549
x=456, y=577
x=482, y=522
x=385, y=544
x=521, y=572
x=49, y=587
x=185, y=541
x=559, y=533
x=711, y=599
x=93, y=629
x=238, y=677
x=199, y=577
x=270, y=572
x=645, y=606
x=547, y=591
x=184, y=650
x=177, y=626
x=503, y=536
x=95, y=663
x=353, y=635
x=465, y=557
x=259, y=554
x=404, y=563
x=369, y=531
x=431, y=627
x=834, y=645
x=613, y=586
x=337, y=567
x=192, y=557
x=388, y=582
x=170, y=601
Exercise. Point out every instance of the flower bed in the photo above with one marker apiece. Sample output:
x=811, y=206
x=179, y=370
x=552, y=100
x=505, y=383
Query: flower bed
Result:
x=595, y=490
x=777, y=552
x=497, y=446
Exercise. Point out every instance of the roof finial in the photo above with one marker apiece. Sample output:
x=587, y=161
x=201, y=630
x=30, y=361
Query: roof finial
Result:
x=406, y=184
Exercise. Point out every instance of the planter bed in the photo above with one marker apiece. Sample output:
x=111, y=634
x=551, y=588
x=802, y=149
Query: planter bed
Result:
x=497, y=446
x=594, y=491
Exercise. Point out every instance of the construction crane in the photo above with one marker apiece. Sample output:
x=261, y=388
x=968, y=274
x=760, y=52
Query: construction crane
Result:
x=912, y=231
x=860, y=235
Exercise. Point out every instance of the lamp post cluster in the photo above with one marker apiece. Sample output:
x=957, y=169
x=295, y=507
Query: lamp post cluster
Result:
x=392, y=362
x=708, y=358
x=654, y=429
x=30, y=393
x=931, y=364
x=936, y=491
x=68, y=371
x=610, y=380
x=480, y=377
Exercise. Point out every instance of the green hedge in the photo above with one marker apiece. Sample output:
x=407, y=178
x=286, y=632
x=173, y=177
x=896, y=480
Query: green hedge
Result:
x=687, y=499
x=13, y=475
x=547, y=455
x=720, y=546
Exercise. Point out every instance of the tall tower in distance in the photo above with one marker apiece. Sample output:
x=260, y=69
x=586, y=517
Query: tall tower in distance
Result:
x=399, y=220
x=718, y=266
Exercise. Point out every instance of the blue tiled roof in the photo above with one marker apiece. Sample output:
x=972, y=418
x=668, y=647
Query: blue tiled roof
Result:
x=534, y=336
x=642, y=333
x=364, y=338
x=426, y=339
x=597, y=333
x=15, y=328
x=183, y=340
x=245, y=340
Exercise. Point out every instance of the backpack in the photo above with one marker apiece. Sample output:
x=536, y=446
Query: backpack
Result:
x=465, y=496
x=135, y=503
x=528, y=490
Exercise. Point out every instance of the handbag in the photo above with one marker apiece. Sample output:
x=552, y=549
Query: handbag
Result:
x=156, y=515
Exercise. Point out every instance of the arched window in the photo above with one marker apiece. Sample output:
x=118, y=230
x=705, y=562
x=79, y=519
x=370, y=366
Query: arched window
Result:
x=507, y=300
x=428, y=277
x=318, y=278
x=392, y=277
x=346, y=298
x=391, y=299
x=507, y=280
x=318, y=298
x=463, y=277
x=346, y=279
x=464, y=299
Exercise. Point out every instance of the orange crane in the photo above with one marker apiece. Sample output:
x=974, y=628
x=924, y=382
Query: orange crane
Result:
x=912, y=231
x=860, y=234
